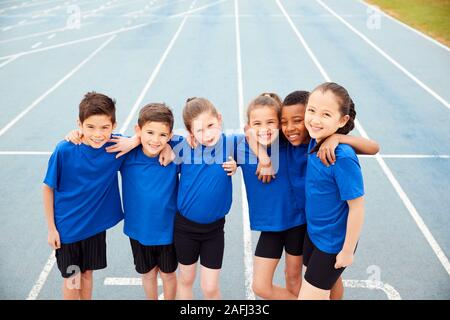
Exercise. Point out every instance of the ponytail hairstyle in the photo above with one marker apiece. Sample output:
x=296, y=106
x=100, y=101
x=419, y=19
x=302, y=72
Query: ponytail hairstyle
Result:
x=194, y=107
x=266, y=99
x=346, y=107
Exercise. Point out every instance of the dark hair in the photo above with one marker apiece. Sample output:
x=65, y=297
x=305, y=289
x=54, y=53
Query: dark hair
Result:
x=95, y=103
x=194, y=107
x=296, y=97
x=346, y=106
x=271, y=100
x=156, y=112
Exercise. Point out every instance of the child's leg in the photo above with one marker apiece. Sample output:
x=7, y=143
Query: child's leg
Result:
x=293, y=273
x=150, y=284
x=337, y=292
x=263, y=271
x=86, y=285
x=185, y=282
x=209, y=283
x=169, y=281
x=310, y=292
x=71, y=287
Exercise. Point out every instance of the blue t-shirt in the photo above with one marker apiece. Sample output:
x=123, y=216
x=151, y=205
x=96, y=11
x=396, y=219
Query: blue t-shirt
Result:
x=205, y=190
x=327, y=192
x=271, y=205
x=149, y=192
x=86, y=191
x=297, y=160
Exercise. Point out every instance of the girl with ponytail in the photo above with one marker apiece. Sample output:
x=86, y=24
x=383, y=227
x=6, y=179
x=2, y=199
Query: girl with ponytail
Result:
x=334, y=194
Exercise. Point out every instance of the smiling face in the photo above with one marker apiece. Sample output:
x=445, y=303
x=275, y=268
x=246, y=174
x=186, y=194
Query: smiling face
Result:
x=293, y=124
x=154, y=137
x=207, y=128
x=96, y=130
x=323, y=116
x=264, y=121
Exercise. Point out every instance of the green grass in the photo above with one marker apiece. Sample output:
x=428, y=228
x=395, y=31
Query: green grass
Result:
x=429, y=16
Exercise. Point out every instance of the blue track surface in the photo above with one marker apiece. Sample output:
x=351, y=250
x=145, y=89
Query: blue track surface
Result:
x=140, y=51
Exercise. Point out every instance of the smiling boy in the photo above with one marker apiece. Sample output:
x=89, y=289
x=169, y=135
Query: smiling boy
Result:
x=150, y=201
x=81, y=197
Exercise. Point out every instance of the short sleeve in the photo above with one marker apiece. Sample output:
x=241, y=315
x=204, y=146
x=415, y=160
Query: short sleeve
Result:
x=348, y=176
x=53, y=170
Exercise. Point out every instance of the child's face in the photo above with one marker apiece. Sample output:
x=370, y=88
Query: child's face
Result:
x=154, y=137
x=207, y=128
x=322, y=117
x=96, y=130
x=293, y=124
x=264, y=121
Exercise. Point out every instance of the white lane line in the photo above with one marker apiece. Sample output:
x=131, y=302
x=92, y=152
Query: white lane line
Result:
x=34, y=292
x=196, y=9
x=247, y=236
x=51, y=36
x=9, y=61
x=37, y=34
x=64, y=44
x=14, y=26
x=401, y=193
x=155, y=72
x=389, y=290
x=385, y=55
x=423, y=35
x=109, y=281
x=37, y=44
x=54, y=87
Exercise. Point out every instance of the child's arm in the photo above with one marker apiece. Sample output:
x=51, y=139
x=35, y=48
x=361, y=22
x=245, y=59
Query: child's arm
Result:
x=123, y=145
x=230, y=166
x=359, y=144
x=53, y=235
x=264, y=171
x=354, y=225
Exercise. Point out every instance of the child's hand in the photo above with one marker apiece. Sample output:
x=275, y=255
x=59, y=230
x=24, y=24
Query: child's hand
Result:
x=122, y=145
x=74, y=136
x=265, y=172
x=190, y=139
x=252, y=139
x=230, y=166
x=343, y=259
x=53, y=239
x=326, y=150
x=166, y=155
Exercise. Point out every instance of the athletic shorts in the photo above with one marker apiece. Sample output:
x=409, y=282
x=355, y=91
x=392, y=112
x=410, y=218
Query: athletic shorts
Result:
x=271, y=244
x=83, y=255
x=148, y=257
x=193, y=240
x=320, y=270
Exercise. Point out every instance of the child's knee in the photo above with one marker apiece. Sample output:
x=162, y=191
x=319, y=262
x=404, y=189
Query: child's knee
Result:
x=209, y=288
x=168, y=276
x=186, y=278
x=261, y=288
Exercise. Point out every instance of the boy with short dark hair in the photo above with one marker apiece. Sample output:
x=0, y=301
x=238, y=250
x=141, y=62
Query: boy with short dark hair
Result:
x=81, y=197
x=149, y=193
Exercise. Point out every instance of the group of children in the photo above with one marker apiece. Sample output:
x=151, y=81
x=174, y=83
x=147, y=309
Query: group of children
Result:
x=304, y=191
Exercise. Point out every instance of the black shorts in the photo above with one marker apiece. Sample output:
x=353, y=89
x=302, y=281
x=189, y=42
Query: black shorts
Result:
x=148, y=257
x=193, y=240
x=271, y=244
x=320, y=266
x=83, y=255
